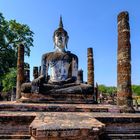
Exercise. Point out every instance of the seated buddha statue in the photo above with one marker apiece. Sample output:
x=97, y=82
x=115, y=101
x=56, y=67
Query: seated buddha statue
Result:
x=63, y=68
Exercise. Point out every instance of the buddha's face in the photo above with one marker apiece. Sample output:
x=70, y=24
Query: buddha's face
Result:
x=60, y=41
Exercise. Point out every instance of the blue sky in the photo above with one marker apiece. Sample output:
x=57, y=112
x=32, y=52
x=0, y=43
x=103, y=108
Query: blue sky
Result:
x=89, y=23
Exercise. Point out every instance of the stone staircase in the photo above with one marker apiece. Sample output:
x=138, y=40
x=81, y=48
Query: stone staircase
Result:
x=127, y=129
x=15, y=127
x=122, y=135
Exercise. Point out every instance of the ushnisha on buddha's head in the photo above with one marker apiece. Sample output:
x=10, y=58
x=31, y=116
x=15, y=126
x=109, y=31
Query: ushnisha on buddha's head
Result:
x=60, y=37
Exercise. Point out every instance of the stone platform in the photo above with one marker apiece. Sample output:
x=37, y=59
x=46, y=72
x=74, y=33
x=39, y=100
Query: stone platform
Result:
x=69, y=125
x=66, y=122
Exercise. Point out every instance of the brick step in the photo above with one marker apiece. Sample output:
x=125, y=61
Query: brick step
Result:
x=123, y=132
x=55, y=108
x=13, y=131
x=124, y=139
x=15, y=137
x=123, y=136
x=59, y=101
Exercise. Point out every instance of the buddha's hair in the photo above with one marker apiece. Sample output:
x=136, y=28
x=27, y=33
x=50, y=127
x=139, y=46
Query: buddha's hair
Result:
x=61, y=30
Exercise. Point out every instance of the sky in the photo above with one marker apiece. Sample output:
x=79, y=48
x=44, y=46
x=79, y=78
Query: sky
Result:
x=89, y=23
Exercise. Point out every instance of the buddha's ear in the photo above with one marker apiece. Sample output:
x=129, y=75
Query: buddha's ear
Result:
x=67, y=42
x=54, y=43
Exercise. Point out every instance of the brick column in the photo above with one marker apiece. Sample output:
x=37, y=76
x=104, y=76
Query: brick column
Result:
x=124, y=91
x=20, y=70
x=90, y=80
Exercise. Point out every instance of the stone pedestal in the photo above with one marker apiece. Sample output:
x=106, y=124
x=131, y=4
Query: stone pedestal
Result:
x=74, y=94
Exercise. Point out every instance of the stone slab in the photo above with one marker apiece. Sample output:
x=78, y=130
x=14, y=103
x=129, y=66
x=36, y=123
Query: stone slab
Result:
x=65, y=126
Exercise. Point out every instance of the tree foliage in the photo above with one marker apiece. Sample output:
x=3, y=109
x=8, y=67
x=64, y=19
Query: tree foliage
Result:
x=136, y=89
x=102, y=88
x=12, y=34
x=9, y=80
x=107, y=89
x=112, y=89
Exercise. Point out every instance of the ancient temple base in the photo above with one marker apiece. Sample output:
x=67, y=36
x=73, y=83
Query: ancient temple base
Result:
x=57, y=98
x=66, y=122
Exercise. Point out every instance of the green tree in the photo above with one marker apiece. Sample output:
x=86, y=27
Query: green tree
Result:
x=136, y=89
x=102, y=88
x=107, y=89
x=9, y=80
x=12, y=34
x=111, y=89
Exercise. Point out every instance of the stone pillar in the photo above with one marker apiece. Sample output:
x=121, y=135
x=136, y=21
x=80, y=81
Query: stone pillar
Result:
x=80, y=76
x=124, y=91
x=27, y=73
x=35, y=72
x=90, y=80
x=96, y=93
x=20, y=70
x=13, y=94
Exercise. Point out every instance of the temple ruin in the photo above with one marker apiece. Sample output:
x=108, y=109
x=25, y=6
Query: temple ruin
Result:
x=61, y=106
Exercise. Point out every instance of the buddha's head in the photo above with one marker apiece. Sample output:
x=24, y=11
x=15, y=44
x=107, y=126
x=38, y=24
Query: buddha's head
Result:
x=60, y=37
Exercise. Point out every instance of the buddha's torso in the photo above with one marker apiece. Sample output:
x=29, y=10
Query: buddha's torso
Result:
x=63, y=65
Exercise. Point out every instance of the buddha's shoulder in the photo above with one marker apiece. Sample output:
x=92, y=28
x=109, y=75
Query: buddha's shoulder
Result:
x=72, y=55
x=53, y=55
x=45, y=55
